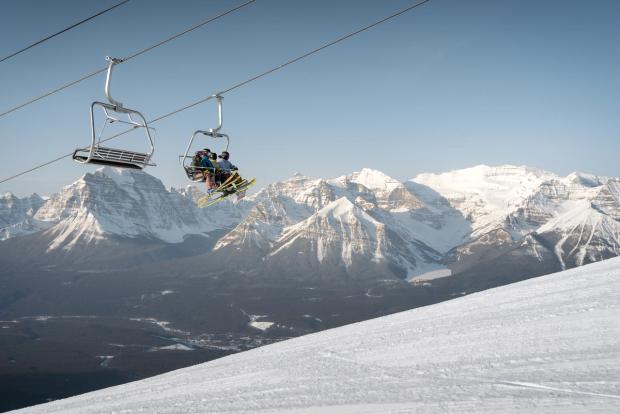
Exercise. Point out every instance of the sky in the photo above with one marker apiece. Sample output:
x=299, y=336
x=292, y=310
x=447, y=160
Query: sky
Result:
x=449, y=85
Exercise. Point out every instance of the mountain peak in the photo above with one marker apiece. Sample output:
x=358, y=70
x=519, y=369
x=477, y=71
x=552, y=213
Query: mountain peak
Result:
x=374, y=179
x=121, y=176
x=340, y=233
x=16, y=214
x=484, y=177
x=486, y=195
x=337, y=207
x=121, y=202
x=483, y=170
x=585, y=179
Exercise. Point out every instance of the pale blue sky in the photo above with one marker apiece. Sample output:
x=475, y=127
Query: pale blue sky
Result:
x=452, y=84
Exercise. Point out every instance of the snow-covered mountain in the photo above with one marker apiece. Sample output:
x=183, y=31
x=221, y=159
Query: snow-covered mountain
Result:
x=549, y=344
x=462, y=221
x=340, y=236
x=123, y=203
x=16, y=215
x=365, y=223
x=486, y=195
x=480, y=220
x=520, y=214
x=584, y=225
x=114, y=218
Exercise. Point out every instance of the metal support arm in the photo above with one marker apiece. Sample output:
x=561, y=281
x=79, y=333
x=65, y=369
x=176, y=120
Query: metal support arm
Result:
x=108, y=80
x=220, y=115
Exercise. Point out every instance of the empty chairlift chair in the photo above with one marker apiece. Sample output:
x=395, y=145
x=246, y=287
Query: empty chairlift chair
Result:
x=98, y=154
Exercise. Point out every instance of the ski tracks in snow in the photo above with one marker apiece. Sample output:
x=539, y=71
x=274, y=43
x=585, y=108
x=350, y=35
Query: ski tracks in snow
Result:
x=547, y=388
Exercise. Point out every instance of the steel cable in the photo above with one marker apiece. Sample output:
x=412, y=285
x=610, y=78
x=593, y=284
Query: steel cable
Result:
x=140, y=52
x=62, y=31
x=235, y=86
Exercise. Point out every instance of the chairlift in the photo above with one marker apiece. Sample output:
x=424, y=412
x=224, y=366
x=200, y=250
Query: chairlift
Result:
x=227, y=182
x=98, y=154
x=194, y=172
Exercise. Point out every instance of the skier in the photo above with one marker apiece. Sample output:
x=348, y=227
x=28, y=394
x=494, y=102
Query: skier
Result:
x=228, y=169
x=195, y=168
x=208, y=170
x=224, y=163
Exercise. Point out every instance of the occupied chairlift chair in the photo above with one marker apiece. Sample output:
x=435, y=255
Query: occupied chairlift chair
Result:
x=98, y=154
x=186, y=160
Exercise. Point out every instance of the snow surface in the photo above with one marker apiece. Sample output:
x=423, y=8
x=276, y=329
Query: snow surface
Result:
x=550, y=344
x=263, y=326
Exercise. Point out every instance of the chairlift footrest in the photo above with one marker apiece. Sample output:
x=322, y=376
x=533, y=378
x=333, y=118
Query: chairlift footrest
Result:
x=113, y=157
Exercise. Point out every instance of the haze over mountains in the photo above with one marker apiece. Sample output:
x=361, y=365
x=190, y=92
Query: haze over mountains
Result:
x=483, y=222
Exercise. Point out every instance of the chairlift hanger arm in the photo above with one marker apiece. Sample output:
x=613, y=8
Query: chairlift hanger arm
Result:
x=211, y=132
x=108, y=80
x=222, y=92
x=220, y=114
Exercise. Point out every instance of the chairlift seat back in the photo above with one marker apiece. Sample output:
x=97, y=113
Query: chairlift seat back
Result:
x=97, y=154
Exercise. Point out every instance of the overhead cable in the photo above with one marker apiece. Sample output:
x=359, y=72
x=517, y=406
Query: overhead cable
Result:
x=62, y=31
x=233, y=87
x=136, y=54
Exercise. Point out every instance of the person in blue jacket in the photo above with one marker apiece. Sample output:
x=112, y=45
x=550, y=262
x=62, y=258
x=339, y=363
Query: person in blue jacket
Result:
x=208, y=170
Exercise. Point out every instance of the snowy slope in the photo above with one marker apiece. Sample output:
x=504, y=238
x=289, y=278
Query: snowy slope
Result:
x=550, y=344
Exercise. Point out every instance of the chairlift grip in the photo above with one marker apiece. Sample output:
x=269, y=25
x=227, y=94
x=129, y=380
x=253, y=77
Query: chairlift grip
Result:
x=112, y=61
x=220, y=114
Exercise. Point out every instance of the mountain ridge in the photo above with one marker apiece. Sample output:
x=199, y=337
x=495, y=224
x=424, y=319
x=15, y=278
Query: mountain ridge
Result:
x=450, y=222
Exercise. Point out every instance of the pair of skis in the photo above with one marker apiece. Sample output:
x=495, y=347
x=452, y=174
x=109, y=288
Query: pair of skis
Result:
x=228, y=188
